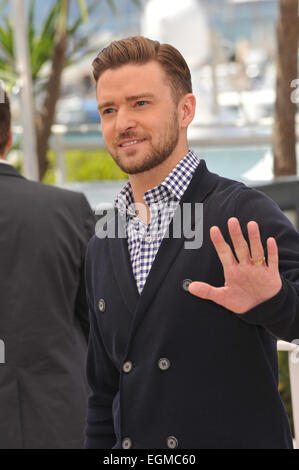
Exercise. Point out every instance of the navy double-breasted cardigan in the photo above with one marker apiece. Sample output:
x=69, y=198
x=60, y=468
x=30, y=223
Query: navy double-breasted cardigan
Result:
x=216, y=386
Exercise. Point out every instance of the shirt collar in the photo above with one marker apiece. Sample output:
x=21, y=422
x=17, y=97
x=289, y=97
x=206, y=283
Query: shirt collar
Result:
x=179, y=178
x=173, y=186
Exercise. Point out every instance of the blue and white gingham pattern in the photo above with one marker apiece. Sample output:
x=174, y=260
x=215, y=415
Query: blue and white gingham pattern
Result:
x=144, y=240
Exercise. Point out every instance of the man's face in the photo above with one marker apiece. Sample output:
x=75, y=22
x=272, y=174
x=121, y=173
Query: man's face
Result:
x=139, y=116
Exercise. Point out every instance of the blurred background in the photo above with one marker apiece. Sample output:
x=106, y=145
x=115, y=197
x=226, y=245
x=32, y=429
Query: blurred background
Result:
x=243, y=56
x=230, y=46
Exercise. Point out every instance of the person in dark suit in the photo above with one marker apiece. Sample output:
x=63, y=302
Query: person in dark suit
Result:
x=184, y=316
x=44, y=322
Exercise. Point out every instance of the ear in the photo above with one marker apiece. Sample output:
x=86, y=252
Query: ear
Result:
x=187, y=109
x=9, y=142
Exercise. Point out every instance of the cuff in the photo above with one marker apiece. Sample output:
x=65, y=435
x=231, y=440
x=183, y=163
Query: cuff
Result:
x=269, y=311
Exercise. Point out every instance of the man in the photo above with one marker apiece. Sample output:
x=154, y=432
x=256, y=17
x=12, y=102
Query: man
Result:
x=174, y=363
x=43, y=312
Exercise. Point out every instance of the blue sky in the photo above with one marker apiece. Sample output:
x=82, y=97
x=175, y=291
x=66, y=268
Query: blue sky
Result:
x=128, y=13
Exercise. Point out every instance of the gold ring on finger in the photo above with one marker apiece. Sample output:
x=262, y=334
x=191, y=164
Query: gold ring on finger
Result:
x=258, y=262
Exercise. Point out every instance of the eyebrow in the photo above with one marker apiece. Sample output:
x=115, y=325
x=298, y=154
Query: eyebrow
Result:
x=127, y=98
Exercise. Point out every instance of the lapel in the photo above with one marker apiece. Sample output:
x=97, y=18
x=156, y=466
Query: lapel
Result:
x=122, y=267
x=9, y=170
x=201, y=184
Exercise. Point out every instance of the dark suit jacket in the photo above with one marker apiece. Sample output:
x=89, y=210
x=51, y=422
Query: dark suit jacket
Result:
x=43, y=313
x=217, y=385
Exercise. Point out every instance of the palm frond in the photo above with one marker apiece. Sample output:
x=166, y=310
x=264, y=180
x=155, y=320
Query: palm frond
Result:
x=6, y=39
x=77, y=23
x=83, y=9
x=63, y=16
x=49, y=24
x=9, y=78
x=41, y=47
x=113, y=7
x=31, y=27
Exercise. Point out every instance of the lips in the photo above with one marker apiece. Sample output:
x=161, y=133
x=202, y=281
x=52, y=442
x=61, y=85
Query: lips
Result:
x=129, y=143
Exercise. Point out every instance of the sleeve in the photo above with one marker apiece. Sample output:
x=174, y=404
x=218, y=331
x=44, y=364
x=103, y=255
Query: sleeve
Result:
x=103, y=380
x=81, y=308
x=88, y=225
x=280, y=314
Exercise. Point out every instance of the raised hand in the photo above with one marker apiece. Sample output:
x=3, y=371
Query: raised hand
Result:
x=249, y=280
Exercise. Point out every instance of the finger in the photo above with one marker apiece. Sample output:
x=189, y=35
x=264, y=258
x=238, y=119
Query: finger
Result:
x=256, y=247
x=273, y=259
x=206, y=291
x=238, y=240
x=223, y=249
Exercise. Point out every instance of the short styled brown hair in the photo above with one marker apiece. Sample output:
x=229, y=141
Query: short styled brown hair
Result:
x=5, y=120
x=140, y=50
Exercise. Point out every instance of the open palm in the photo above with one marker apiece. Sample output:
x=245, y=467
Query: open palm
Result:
x=249, y=281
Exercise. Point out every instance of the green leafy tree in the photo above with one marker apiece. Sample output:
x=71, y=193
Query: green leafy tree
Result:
x=50, y=45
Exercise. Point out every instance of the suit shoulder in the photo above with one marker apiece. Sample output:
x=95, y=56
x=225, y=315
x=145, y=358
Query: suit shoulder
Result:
x=228, y=196
x=54, y=192
x=226, y=188
x=43, y=195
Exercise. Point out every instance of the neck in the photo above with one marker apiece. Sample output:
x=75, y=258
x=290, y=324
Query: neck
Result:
x=142, y=182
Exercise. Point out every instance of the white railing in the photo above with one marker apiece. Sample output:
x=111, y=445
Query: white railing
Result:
x=217, y=134
x=293, y=352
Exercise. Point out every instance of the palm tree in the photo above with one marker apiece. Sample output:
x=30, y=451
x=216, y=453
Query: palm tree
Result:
x=284, y=137
x=50, y=46
x=59, y=43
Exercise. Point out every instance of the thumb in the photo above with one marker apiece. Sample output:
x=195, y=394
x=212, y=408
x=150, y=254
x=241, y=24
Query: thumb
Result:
x=202, y=290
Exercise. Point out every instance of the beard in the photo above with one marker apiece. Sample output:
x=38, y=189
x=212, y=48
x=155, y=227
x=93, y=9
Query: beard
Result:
x=156, y=155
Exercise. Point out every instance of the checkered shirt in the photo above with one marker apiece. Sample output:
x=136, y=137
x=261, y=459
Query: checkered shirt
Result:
x=144, y=240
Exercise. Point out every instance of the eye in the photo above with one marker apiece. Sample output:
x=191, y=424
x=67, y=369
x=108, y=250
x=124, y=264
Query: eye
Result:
x=141, y=103
x=108, y=111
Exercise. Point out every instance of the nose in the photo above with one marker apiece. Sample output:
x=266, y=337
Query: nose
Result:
x=124, y=120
